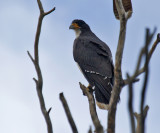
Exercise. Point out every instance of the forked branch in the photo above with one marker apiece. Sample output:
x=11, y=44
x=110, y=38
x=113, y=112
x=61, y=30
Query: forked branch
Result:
x=139, y=118
x=139, y=70
x=35, y=60
x=118, y=81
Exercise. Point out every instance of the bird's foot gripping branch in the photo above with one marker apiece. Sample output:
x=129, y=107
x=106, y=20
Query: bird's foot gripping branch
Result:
x=92, y=107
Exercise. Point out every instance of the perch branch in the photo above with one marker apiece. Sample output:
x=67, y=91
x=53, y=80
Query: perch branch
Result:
x=68, y=113
x=35, y=60
x=118, y=81
x=92, y=107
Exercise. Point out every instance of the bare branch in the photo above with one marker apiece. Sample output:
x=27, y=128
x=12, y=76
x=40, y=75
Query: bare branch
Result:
x=49, y=110
x=126, y=81
x=68, y=113
x=42, y=10
x=35, y=80
x=130, y=105
x=143, y=95
x=118, y=81
x=139, y=60
x=30, y=56
x=94, y=116
x=144, y=52
x=139, y=118
x=46, y=13
x=43, y=109
x=139, y=71
x=154, y=46
x=40, y=6
x=35, y=60
x=145, y=111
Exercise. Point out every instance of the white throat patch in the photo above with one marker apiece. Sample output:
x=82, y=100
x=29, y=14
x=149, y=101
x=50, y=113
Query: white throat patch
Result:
x=78, y=32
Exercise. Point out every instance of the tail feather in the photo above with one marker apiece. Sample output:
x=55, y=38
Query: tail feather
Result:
x=103, y=88
x=102, y=93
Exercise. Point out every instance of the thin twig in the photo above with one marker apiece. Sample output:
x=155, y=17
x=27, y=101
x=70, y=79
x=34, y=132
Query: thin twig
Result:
x=143, y=95
x=46, y=13
x=35, y=80
x=130, y=105
x=92, y=107
x=49, y=110
x=39, y=81
x=68, y=113
x=31, y=57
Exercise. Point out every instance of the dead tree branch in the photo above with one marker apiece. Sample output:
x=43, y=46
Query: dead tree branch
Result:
x=146, y=70
x=68, y=113
x=92, y=107
x=144, y=53
x=35, y=60
x=139, y=118
x=118, y=81
x=139, y=70
x=130, y=105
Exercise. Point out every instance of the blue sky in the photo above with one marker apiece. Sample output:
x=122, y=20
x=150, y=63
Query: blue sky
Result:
x=20, y=110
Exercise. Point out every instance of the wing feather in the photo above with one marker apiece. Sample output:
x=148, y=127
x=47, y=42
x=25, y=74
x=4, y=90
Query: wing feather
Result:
x=95, y=60
x=94, y=56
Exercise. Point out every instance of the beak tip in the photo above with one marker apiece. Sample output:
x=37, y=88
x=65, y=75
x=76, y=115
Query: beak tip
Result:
x=71, y=27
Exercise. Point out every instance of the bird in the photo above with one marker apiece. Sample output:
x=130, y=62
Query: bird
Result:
x=94, y=58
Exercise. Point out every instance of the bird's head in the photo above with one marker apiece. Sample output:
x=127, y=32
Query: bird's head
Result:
x=79, y=26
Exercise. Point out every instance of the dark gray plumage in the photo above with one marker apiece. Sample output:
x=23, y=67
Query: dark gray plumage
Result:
x=95, y=61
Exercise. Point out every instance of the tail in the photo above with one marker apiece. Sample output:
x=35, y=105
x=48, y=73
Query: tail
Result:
x=103, y=90
x=102, y=100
